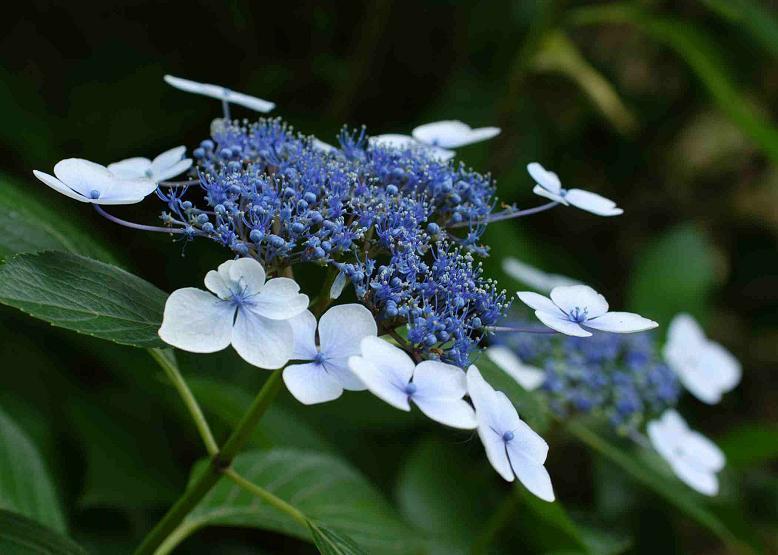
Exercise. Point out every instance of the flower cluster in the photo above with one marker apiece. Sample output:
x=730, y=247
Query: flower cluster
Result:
x=620, y=377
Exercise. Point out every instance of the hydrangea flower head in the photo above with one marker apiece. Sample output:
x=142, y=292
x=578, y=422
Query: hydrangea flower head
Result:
x=706, y=369
x=549, y=186
x=240, y=308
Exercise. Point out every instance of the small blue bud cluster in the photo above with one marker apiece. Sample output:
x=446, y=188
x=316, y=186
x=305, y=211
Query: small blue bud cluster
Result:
x=618, y=376
x=379, y=215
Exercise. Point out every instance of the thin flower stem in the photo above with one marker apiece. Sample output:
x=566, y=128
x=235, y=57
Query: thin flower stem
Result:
x=172, y=372
x=217, y=466
x=509, y=214
x=266, y=496
x=505, y=329
x=133, y=225
x=186, y=183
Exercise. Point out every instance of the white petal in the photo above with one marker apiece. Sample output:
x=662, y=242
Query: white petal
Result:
x=321, y=145
x=310, y=383
x=699, y=479
x=340, y=370
x=337, y=286
x=261, y=341
x=58, y=186
x=581, y=297
x=393, y=140
x=495, y=450
x=479, y=390
x=435, y=379
x=167, y=159
x=280, y=299
x=535, y=278
x=342, y=328
x=548, y=180
x=456, y=413
x=621, y=322
x=220, y=93
x=84, y=176
x=178, y=168
x=304, y=328
x=379, y=382
x=251, y=102
x=664, y=443
x=196, y=321
x=561, y=323
x=529, y=442
x=704, y=452
x=131, y=168
x=126, y=191
x=528, y=377
x=215, y=282
x=592, y=202
x=393, y=362
x=185, y=84
x=533, y=475
x=685, y=332
x=540, y=191
x=247, y=273
x=722, y=366
x=482, y=134
x=537, y=302
x=699, y=382
x=452, y=134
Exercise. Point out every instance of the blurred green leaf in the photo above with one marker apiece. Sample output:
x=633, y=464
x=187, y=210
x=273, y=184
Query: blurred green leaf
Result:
x=329, y=542
x=278, y=427
x=557, y=53
x=21, y=536
x=751, y=16
x=27, y=225
x=701, y=53
x=676, y=273
x=321, y=486
x=750, y=445
x=25, y=484
x=84, y=295
x=681, y=497
x=531, y=407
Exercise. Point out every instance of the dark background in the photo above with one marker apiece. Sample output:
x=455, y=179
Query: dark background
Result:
x=669, y=110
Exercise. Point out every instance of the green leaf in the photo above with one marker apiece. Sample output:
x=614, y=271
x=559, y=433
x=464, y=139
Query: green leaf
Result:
x=701, y=54
x=22, y=536
x=752, y=17
x=557, y=53
x=84, y=295
x=750, y=445
x=27, y=225
x=678, y=495
x=25, y=485
x=329, y=542
x=661, y=286
x=322, y=487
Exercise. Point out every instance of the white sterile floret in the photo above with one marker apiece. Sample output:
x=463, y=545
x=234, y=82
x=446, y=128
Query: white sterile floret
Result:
x=165, y=166
x=242, y=309
x=435, y=387
x=220, y=93
x=452, y=134
x=87, y=181
x=535, y=278
x=512, y=447
x=706, y=369
x=526, y=376
x=341, y=329
x=549, y=186
x=571, y=308
x=694, y=458
x=396, y=140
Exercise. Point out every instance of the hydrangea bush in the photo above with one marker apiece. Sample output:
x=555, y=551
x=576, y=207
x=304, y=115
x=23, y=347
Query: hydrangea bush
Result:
x=397, y=222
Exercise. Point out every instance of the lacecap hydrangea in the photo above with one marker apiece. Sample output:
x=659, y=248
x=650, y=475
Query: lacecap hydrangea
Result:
x=381, y=216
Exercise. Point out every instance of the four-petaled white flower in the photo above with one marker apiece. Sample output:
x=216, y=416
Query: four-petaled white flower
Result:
x=694, y=458
x=535, y=278
x=341, y=329
x=549, y=186
x=396, y=140
x=452, y=134
x=526, y=376
x=87, y=181
x=244, y=310
x=435, y=387
x=165, y=166
x=706, y=369
x=220, y=93
x=512, y=447
x=571, y=308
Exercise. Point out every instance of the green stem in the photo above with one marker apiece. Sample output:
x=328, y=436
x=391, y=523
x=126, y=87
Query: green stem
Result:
x=218, y=465
x=266, y=496
x=171, y=370
x=496, y=522
x=323, y=299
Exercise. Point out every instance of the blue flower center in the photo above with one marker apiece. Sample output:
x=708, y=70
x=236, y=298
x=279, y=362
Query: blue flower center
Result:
x=94, y=193
x=579, y=315
x=507, y=436
x=410, y=389
x=149, y=173
x=319, y=358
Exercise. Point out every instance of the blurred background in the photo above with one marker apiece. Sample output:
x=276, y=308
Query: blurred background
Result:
x=666, y=107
